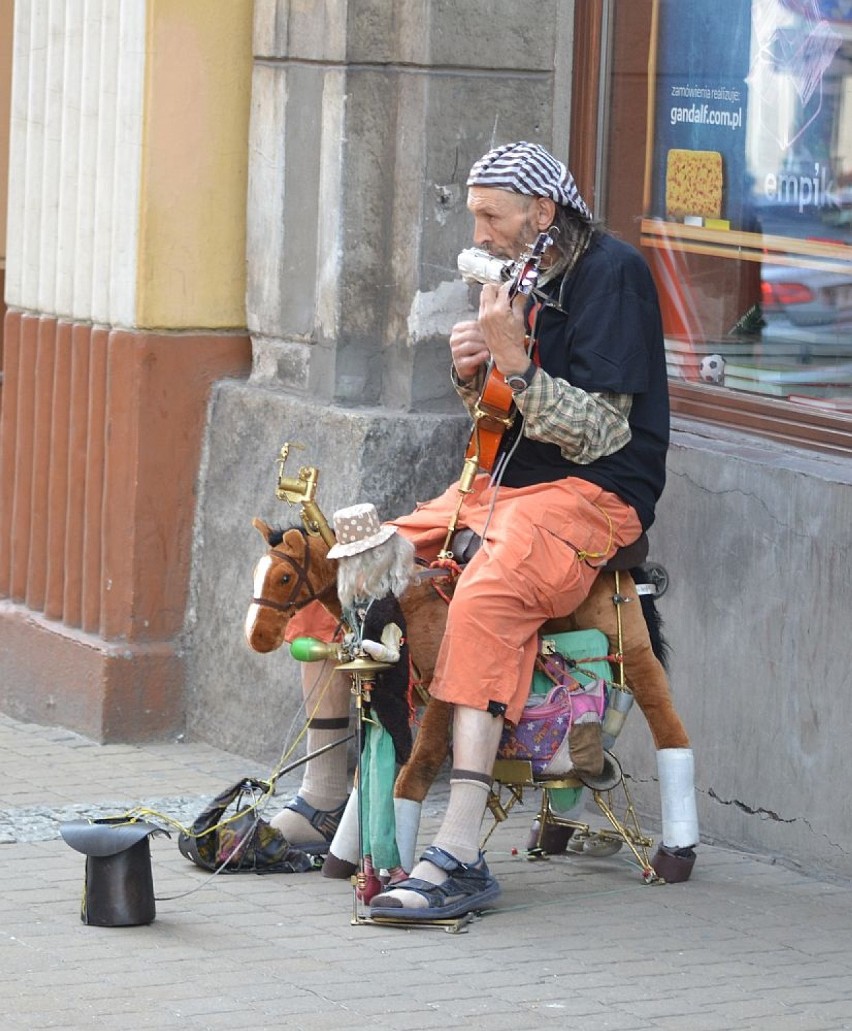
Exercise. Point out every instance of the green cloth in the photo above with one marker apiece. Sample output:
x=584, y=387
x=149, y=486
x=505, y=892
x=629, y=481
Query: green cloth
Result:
x=378, y=772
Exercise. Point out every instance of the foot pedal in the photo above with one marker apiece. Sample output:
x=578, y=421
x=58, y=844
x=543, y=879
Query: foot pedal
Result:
x=451, y=925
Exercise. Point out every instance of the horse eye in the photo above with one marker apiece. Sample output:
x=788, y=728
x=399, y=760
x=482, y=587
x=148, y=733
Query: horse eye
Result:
x=285, y=579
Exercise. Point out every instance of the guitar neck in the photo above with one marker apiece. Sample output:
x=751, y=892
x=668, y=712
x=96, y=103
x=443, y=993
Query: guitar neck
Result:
x=493, y=414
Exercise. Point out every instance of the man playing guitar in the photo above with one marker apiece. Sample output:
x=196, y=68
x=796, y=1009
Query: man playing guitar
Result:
x=576, y=476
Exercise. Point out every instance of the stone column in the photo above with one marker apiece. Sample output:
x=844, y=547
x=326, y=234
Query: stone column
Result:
x=365, y=120
x=366, y=117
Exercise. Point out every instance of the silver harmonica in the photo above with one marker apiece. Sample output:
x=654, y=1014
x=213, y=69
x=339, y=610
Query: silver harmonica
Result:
x=478, y=266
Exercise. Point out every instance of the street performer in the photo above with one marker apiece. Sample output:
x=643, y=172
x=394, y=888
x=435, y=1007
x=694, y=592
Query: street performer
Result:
x=577, y=476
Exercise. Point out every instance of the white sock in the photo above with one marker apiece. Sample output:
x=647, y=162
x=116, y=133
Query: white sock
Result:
x=459, y=833
x=476, y=735
x=325, y=782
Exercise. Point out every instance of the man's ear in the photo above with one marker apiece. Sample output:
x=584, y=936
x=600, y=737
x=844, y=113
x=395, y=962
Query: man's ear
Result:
x=545, y=213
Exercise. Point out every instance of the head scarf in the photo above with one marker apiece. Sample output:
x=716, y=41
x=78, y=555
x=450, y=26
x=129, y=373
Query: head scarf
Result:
x=529, y=169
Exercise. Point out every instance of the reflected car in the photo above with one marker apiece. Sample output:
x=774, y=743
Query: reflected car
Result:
x=808, y=307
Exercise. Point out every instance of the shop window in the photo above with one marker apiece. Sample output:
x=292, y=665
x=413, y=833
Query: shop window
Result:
x=723, y=149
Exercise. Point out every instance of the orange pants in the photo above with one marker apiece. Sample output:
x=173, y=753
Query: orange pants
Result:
x=312, y=621
x=541, y=553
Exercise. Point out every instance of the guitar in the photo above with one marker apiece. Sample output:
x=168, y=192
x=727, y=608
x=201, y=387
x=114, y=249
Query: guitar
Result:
x=494, y=411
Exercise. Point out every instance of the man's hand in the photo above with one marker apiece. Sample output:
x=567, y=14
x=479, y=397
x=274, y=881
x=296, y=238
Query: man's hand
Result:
x=469, y=350
x=502, y=325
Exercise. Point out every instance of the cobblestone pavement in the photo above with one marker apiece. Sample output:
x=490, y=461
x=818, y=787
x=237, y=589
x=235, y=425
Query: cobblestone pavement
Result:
x=574, y=942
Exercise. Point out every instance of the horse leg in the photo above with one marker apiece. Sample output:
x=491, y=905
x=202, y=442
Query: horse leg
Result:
x=643, y=671
x=647, y=679
x=309, y=821
x=431, y=747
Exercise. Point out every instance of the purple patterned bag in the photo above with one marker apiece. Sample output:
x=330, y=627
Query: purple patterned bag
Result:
x=543, y=732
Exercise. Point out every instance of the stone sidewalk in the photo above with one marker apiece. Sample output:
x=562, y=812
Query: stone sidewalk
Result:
x=574, y=942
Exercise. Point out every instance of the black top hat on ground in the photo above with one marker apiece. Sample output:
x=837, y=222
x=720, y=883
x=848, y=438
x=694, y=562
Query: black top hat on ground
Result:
x=119, y=887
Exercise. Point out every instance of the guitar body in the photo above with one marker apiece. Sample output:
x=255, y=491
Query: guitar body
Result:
x=494, y=414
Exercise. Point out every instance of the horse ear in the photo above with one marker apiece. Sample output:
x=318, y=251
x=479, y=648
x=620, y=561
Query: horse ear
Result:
x=264, y=529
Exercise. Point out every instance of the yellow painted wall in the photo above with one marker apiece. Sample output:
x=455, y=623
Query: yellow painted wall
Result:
x=191, y=258
x=6, y=19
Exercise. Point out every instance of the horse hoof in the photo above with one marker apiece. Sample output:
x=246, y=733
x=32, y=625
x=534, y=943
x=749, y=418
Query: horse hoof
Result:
x=338, y=869
x=552, y=840
x=673, y=865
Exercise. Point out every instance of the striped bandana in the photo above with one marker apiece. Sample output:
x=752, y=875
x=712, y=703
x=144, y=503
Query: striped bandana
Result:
x=529, y=169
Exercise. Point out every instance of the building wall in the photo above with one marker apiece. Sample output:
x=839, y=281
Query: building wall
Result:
x=754, y=536
x=365, y=121
x=125, y=283
x=6, y=30
x=124, y=317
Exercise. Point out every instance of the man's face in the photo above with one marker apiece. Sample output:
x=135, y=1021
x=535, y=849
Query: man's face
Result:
x=504, y=222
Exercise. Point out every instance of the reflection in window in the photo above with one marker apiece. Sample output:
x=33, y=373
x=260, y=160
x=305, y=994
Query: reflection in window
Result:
x=748, y=195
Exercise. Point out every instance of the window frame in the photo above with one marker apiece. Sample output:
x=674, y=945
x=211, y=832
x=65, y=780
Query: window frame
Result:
x=595, y=32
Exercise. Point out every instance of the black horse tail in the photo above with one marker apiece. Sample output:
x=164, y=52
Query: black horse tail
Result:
x=659, y=644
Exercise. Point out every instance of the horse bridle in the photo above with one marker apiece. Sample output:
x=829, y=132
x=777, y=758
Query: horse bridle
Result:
x=291, y=606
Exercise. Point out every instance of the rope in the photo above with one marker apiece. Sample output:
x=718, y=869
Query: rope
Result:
x=575, y=664
x=143, y=812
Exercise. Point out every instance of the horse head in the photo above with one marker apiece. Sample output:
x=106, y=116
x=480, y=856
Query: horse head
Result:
x=295, y=571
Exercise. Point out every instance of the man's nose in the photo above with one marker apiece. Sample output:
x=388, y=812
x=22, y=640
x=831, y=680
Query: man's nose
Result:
x=481, y=236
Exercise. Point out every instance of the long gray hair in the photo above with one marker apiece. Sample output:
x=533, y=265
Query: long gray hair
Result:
x=385, y=569
x=573, y=236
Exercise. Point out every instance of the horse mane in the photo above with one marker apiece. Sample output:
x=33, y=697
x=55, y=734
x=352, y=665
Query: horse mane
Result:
x=276, y=534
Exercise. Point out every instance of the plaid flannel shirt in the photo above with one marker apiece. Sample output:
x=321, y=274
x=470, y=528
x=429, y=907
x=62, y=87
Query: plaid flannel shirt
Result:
x=586, y=426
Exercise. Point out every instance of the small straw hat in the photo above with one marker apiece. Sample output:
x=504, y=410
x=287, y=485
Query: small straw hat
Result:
x=358, y=529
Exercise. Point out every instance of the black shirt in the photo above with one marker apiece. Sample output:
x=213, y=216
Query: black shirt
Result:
x=608, y=336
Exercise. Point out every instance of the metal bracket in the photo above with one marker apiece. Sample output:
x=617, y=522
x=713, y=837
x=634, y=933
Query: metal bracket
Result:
x=301, y=490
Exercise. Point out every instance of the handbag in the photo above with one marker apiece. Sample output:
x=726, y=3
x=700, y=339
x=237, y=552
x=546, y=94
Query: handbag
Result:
x=242, y=842
x=560, y=731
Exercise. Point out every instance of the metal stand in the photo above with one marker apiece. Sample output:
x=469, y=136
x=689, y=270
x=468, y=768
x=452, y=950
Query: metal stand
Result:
x=450, y=925
x=362, y=671
x=512, y=776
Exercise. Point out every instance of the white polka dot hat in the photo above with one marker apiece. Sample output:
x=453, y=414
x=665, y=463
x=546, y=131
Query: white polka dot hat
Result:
x=358, y=529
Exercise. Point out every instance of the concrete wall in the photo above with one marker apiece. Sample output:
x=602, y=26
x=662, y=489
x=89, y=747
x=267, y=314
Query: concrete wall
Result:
x=245, y=701
x=365, y=120
x=755, y=537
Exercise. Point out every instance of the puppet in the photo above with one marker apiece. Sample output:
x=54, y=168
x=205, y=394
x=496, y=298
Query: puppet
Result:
x=375, y=566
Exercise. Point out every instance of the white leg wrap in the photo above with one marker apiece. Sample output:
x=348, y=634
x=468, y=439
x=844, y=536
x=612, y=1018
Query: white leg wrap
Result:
x=676, y=769
x=344, y=844
x=407, y=815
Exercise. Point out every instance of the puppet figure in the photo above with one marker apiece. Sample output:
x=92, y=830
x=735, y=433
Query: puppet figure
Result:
x=375, y=565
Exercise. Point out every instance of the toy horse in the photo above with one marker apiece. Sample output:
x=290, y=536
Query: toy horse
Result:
x=298, y=571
